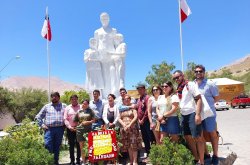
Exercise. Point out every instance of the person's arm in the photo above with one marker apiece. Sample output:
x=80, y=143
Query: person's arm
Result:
x=120, y=121
x=134, y=119
x=193, y=88
x=160, y=116
x=198, y=109
x=173, y=110
x=92, y=114
x=145, y=116
x=123, y=108
x=150, y=110
x=117, y=114
x=105, y=115
x=40, y=116
x=65, y=118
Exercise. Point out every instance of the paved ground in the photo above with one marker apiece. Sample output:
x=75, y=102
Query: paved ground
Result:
x=234, y=127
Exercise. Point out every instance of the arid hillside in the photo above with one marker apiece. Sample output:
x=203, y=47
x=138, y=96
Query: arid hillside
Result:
x=56, y=84
x=238, y=67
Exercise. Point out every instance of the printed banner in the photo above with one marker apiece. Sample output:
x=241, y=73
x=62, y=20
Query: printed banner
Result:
x=102, y=145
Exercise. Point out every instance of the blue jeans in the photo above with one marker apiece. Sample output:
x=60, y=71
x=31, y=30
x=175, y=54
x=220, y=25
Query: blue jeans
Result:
x=53, y=139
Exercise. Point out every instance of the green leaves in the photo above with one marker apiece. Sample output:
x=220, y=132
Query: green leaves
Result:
x=24, y=146
x=170, y=153
x=160, y=73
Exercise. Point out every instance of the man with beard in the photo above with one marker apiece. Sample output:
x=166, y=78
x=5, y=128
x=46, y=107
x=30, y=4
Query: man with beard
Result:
x=50, y=119
x=190, y=107
x=210, y=91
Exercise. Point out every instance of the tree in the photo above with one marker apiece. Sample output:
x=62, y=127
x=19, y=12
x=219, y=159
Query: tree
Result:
x=189, y=73
x=27, y=102
x=82, y=94
x=5, y=100
x=160, y=73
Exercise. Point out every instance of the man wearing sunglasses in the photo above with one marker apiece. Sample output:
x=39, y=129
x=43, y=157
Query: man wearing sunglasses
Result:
x=191, y=104
x=210, y=91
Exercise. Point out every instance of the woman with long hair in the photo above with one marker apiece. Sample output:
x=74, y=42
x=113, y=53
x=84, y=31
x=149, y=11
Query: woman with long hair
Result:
x=156, y=91
x=167, y=107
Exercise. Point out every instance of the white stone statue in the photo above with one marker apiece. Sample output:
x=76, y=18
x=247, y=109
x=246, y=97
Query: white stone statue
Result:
x=111, y=48
x=119, y=59
x=92, y=58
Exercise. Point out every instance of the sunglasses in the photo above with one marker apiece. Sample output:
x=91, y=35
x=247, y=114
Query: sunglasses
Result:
x=176, y=78
x=155, y=89
x=164, y=86
x=198, y=71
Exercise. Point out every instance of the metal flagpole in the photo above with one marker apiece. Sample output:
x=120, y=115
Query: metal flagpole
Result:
x=182, y=67
x=48, y=55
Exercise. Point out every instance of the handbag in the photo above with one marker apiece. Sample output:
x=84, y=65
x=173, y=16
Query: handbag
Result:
x=205, y=110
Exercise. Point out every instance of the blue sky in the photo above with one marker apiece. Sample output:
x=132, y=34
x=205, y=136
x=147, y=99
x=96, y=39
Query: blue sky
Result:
x=216, y=33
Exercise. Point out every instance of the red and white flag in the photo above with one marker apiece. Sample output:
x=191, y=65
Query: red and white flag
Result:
x=46, y=30
x=184, y=9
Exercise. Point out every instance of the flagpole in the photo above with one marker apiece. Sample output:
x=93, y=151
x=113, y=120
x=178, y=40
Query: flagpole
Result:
x=48, y=56
x=182, y=67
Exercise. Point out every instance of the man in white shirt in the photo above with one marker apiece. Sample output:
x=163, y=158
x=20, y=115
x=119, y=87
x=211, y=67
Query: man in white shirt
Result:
x=191, y=104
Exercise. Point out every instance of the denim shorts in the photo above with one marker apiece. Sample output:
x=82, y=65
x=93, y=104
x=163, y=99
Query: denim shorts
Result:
x=189, y=127
x=209, y=124
x=172, y=126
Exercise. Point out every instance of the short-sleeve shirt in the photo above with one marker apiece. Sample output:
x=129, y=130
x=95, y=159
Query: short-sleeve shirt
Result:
x=187, y=103
x=97, y=107
x=209, y=90
x=84, y=115
x=165, y=104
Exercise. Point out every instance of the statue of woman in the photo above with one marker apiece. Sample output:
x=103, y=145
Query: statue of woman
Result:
x=94, y=77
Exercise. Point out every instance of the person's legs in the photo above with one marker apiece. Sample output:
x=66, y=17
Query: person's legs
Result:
x=145, y=130
x=71, y=139
x=57, y=141
x=200, y=148
x=48, y=140
x=192, y=146
x=196, y=132
x=209, y=125
x=130, y=152
x=134, y=154
x=81, y=143
x=174, y=138
x=78, y=150
x=157, y=136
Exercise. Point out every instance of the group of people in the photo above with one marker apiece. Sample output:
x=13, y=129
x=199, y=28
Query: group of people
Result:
x=147, y=119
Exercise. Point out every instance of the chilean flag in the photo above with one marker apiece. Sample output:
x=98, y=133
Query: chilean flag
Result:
x=184, y=9
x=46, y=30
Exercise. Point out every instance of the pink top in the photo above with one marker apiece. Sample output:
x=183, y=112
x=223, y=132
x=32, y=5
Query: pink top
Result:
x=69, y=115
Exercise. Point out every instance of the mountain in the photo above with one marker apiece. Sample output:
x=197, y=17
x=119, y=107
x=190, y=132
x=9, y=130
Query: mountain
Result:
x=238, y=68
x=56, y=84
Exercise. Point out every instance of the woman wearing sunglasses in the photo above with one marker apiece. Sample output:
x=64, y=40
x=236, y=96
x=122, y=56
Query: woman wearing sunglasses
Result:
x=152, y=115
x=167, y=107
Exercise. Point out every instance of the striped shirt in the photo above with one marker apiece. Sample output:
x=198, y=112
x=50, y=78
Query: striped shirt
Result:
x=51, y=115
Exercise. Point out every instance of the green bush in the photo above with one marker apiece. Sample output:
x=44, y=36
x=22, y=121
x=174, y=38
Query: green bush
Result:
x=24, y=146
x=170, y=153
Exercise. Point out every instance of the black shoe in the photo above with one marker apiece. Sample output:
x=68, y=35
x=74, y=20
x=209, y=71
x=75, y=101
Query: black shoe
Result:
x=207, y=156
x=72, y=163
x=78, y=163
x=215, y=160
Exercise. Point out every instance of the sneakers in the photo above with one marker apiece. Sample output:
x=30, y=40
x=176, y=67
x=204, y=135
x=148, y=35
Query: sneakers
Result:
x=215, y=160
